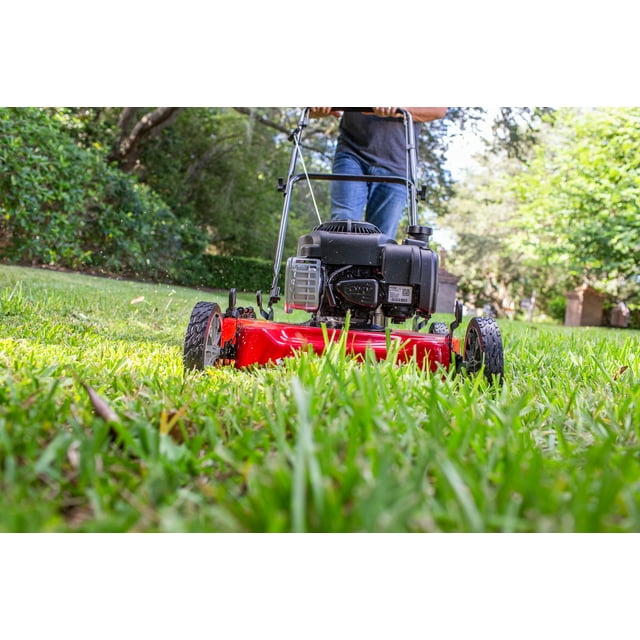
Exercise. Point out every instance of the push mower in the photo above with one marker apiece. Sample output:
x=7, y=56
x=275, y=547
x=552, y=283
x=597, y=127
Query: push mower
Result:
x=350, y=277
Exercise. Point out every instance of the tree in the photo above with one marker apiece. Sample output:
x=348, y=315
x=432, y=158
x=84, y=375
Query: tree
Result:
x=220, y=169
x=493, y=252
x=134, y=129
x=583, y=185
x=567, y=214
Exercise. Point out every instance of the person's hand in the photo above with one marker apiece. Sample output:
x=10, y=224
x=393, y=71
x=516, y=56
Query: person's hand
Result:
x=321, y=112
x=385, y=112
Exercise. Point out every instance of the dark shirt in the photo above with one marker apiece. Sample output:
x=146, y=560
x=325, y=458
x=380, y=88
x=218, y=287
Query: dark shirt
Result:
x=378, y=141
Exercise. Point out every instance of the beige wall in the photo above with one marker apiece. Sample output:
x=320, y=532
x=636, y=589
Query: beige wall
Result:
x=447, y=291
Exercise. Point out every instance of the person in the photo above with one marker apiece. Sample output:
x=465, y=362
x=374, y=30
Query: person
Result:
x=372, y=143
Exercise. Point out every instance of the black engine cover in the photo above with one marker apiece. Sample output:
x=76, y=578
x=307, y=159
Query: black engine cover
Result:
x=344, y=242
x=364, y=269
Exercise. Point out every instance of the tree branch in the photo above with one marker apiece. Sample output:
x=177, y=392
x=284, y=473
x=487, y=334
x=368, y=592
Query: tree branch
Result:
x=126, y=150
x=126, y=119
x=263, y=120
x=279, y=127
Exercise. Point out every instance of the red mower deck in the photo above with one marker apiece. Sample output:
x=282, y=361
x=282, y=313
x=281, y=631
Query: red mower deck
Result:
x=259, y=342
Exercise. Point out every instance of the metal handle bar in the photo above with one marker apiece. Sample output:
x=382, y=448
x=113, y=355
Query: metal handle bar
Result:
x=359, y=109
x=353, y=109
x=346, y=177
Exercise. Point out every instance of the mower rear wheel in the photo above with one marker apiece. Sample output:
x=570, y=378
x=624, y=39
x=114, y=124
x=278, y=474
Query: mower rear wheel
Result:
x=203, y=340
x=483, y=346
x=439, y=328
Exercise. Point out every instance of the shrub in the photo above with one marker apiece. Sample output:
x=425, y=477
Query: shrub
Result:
x=226, y=272
x=63, y=205
x=557, y=307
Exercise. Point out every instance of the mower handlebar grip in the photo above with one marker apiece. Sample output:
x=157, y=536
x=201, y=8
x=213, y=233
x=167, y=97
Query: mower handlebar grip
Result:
x=360, y=109
x=353, y=109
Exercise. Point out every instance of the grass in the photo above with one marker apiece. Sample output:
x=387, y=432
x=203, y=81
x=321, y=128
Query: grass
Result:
x=100, y=430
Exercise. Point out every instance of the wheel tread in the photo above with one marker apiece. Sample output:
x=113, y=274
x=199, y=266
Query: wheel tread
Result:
x=488, y=336
x=194, y=341
x=439, y=328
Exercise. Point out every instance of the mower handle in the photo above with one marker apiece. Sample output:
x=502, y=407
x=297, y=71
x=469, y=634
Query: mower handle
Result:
x=361, y=109
x=352, y=109
x=292, y=177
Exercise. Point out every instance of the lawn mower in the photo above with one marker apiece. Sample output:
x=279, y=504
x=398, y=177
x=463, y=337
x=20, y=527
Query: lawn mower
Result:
x=351, y=278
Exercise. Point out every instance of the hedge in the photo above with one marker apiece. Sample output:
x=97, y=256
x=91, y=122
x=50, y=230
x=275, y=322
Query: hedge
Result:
x=227, y=272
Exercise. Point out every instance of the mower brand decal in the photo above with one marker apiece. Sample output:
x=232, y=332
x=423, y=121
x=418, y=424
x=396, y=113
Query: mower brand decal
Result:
x=399, y=295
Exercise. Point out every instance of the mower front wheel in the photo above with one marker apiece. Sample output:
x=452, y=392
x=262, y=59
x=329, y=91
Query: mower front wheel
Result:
x=483, y=347
x=203, y=340
x=439, y=328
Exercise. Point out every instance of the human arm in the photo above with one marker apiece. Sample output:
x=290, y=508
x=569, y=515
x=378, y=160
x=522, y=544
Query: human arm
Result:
x=427, y=114
x=419, y=114
x=321, y=112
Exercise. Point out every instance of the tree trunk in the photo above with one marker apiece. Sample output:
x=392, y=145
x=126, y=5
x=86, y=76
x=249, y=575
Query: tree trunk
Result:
x=127, y=149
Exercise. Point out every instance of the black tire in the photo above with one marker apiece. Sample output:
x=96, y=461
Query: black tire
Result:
x=483, y=346
x=203, y=340
x=439, y=328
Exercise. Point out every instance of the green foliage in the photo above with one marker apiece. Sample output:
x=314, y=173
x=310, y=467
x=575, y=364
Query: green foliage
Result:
x=583, y=186
x=566, y=215
x=493, y=253
x=220, y=169
x=62, y=205
x=317, y=444
x=557, y=307
x=227, y=272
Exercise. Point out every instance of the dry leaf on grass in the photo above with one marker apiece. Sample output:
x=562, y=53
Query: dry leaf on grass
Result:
x=100, y=406
x=170, y=423
x=620, y=371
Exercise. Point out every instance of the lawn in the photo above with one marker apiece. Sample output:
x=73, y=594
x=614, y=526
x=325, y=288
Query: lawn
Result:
x=101, y=431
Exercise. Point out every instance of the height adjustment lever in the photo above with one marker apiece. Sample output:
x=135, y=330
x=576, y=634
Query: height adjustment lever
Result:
x=267, y=315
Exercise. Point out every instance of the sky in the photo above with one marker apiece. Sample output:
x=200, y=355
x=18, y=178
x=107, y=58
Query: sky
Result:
x=460, y=155
x=463, y=147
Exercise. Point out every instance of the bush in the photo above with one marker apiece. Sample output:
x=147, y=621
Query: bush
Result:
x=226, y=272
x=63, y=205
x=557, y=307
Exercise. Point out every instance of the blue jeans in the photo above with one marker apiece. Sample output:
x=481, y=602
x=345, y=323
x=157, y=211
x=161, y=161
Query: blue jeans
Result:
x=384, y=201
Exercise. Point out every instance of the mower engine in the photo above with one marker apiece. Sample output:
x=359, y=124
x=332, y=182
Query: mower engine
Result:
x=349, y=267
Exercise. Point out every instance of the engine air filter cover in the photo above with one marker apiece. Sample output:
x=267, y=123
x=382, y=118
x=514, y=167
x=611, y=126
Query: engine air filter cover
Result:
x=303, y=282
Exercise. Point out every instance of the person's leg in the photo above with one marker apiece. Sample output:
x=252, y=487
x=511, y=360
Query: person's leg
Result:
x=347, y=198
x=386, y=205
